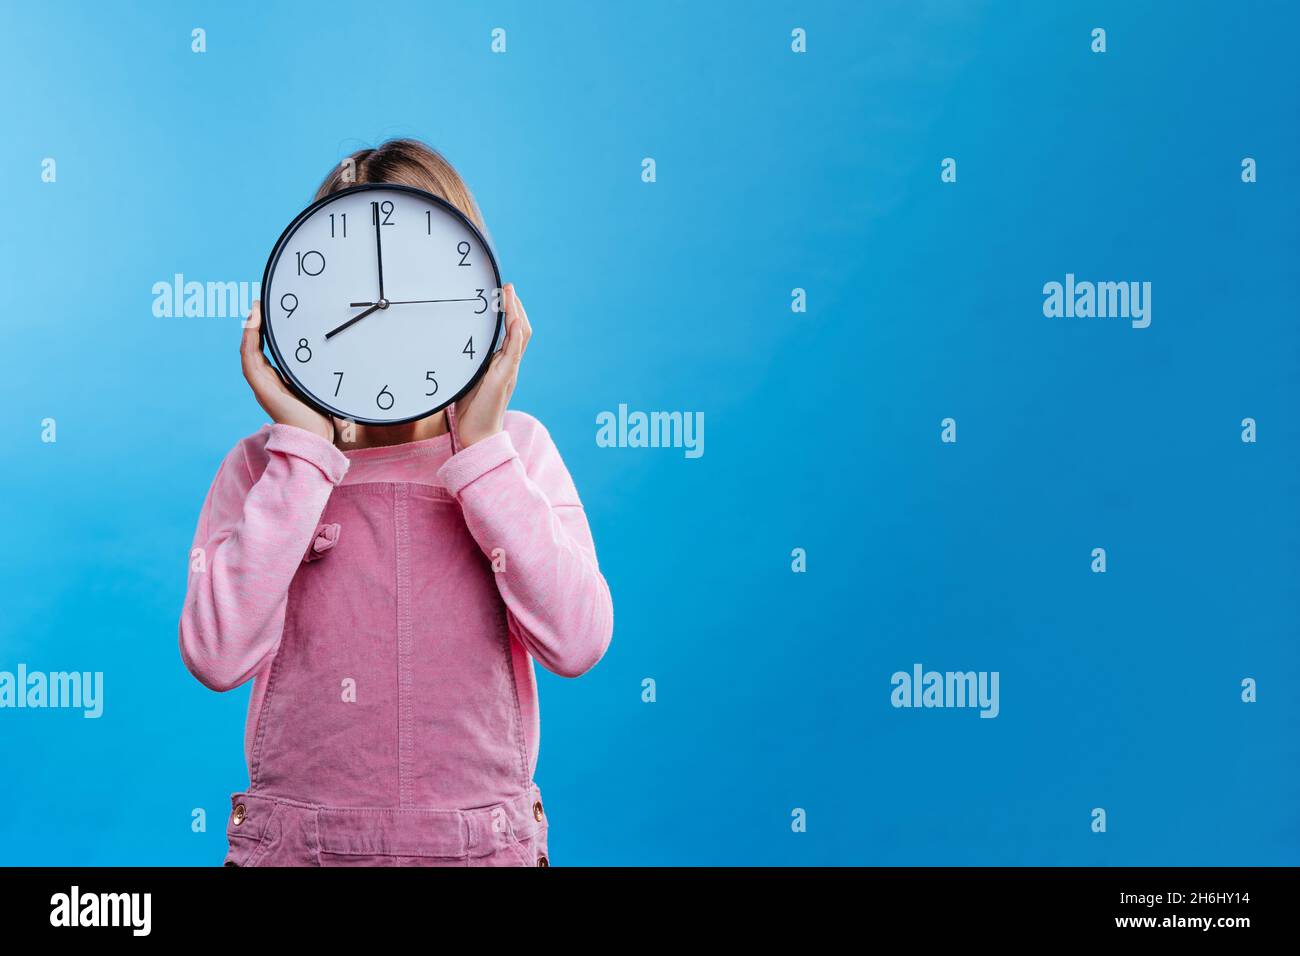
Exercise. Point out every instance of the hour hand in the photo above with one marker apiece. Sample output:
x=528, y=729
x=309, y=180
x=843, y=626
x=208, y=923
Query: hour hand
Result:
x=374, y=307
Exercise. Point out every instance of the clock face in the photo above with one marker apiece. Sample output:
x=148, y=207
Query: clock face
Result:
x=381, y=304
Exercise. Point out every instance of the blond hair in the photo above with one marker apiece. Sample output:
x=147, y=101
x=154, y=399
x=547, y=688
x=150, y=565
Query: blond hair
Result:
x=405, y=162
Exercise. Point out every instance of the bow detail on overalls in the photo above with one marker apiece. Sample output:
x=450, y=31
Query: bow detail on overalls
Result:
x=326, y=536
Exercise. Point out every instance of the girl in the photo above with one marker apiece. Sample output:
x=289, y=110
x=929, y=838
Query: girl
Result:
x=387, y=590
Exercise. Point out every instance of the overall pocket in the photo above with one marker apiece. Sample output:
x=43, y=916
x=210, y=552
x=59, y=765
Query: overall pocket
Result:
x=249, y=829
x=531, y=849
x=523, y=842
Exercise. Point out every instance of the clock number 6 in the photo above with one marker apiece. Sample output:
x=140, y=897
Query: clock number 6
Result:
x=385, y=393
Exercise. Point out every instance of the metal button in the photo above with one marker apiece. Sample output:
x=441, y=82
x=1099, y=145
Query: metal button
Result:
x=238, y=816
x=537, y=811
x=542, y=861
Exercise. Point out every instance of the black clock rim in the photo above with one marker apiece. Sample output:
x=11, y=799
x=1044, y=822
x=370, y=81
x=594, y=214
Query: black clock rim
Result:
x=283, y=367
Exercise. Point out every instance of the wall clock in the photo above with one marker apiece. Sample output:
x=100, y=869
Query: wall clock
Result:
x=381, y=304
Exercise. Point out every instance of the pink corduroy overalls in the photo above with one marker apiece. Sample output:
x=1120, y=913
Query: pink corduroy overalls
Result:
x=388, y=725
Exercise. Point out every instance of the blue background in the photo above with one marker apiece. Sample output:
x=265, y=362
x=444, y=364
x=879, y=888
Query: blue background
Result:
x=775, y=171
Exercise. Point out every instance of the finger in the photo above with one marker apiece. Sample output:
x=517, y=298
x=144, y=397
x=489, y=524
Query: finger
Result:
x=251, y=325
x=506, y=361
x=251, y=359
x=515, y=310
x=519, y=332
x=504, y=373
x=511, y=329
x=505, y=330
x=523, y=315
x=250, y=345
x=493, y=373
x=260, y=373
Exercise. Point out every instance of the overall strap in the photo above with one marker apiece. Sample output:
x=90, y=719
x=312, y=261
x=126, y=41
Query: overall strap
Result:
x=451, y=427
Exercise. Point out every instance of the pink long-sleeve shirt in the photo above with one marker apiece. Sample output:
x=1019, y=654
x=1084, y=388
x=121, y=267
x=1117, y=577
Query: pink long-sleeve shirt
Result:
x=261, y=527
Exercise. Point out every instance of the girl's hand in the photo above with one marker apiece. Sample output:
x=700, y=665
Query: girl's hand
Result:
x=482, y=412
x=284, y=407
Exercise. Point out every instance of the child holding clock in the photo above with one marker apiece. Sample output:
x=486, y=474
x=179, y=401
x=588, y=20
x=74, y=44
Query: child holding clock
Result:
x=387, y=589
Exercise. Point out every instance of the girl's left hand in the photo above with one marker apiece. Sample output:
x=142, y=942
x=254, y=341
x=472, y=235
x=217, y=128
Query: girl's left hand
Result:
x=481, y=413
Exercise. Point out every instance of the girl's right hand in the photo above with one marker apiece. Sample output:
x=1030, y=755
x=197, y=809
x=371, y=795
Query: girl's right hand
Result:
x=284, y=407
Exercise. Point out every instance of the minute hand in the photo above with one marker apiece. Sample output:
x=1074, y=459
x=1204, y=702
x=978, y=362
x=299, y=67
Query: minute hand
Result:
x=415, y=301
x=379, y=249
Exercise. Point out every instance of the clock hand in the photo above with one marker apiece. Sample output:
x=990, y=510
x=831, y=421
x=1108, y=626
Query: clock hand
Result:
x=414, y=301
x=379, y=251
x=374, y=307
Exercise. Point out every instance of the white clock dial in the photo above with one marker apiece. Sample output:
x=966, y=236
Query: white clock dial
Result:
x=381, y=304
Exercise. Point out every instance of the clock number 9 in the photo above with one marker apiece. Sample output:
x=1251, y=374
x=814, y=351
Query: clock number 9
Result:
x=305, y=262
x=385, y=393
x=289, y=303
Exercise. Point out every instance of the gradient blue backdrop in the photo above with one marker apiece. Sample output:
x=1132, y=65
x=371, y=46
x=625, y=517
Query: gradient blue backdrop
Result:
x=775, y=171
